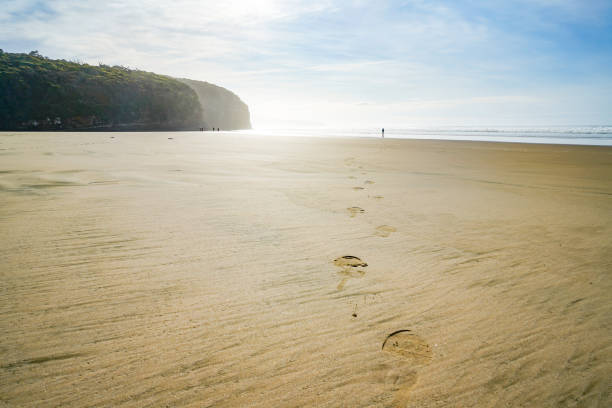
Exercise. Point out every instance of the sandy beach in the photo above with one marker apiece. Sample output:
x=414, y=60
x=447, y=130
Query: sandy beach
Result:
x=221, y=270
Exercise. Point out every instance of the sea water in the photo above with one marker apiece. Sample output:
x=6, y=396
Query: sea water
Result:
x=571, y=135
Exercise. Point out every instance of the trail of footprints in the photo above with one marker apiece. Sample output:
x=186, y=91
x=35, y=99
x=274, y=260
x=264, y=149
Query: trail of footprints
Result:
x=403, y=344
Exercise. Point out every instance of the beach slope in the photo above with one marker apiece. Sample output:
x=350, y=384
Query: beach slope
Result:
x=201, y=270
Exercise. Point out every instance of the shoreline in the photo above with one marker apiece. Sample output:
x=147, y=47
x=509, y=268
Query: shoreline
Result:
x=548, y=141
x=497, y=136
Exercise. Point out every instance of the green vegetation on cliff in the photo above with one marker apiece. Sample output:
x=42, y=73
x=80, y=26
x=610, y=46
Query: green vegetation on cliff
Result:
x=38, y=93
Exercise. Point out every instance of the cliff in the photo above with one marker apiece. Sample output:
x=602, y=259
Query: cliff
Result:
x=221, y=108
x=38, y=93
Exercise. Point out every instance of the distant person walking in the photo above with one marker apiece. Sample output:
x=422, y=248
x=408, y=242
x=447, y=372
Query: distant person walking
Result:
x=383, y=133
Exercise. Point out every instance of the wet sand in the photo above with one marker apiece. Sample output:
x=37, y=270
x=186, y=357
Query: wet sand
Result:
x=218, y=270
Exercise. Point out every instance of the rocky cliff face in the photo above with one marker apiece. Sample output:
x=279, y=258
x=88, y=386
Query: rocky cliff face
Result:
x=221, y=108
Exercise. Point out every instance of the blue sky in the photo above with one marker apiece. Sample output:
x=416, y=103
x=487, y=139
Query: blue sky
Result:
x=351, y=63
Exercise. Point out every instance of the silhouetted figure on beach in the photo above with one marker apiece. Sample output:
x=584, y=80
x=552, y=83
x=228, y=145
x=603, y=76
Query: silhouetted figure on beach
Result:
x=383, y=133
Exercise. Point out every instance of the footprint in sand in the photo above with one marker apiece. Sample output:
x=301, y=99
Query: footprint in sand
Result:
x=415, y=353
x=358, y=188
x=355, y=210
x=409, y=346
x=368, y=182
x=346, y=275
x=384, y=230
x=348, y=263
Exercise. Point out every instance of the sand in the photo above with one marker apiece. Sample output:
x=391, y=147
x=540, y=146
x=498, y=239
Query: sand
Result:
x=201, y=271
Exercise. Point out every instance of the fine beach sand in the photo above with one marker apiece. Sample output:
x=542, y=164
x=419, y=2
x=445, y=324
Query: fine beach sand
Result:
x=223, y=270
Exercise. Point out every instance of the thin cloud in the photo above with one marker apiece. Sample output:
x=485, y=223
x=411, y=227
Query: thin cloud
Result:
x=325, y=58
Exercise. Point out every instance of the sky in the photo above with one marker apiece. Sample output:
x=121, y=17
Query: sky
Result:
x=353, y=63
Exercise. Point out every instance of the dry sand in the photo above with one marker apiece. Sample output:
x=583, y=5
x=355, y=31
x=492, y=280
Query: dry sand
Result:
x=206, y=270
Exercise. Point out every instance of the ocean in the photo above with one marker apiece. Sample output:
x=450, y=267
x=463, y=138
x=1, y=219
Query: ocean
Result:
x=569, y=135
